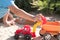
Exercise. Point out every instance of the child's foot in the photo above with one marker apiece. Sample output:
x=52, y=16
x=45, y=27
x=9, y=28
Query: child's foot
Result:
x=9, y=23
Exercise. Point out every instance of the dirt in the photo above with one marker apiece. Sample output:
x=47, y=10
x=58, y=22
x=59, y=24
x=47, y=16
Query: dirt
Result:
x=40, y=38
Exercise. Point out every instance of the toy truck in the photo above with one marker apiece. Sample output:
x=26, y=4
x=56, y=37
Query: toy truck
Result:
x=48, y=29
x=24, y=33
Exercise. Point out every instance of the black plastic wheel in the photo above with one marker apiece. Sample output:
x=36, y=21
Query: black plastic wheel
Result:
x=16, y=37
x=19, y=37
x=58, y=36
x=47, y=36
x=27, y=37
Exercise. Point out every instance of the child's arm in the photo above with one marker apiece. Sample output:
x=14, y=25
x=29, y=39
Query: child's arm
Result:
x=21, y=13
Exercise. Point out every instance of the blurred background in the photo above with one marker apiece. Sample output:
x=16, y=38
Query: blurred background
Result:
x=48, y=7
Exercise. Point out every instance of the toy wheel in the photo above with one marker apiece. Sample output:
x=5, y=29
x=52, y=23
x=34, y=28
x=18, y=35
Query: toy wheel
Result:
x=16, y=37
x=47, y=36
x=27, y=37
x=58, y=36
x=21, y=36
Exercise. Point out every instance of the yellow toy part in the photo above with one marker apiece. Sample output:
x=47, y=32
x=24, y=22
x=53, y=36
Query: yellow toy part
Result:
x=36, y=25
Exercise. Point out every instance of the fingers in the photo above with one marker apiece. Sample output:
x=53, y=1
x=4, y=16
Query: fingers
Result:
x=38, y=18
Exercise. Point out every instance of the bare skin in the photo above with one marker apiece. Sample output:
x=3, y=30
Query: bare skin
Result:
x=21, y=13
x=8, y=19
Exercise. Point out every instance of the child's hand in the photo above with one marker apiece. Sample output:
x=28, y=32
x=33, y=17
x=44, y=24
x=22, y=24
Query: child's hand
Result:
x=37, y=17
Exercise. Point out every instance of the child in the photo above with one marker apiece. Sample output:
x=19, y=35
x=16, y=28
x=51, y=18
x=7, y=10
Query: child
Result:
x=8, y=19
x=4, y=13
x=6, y=5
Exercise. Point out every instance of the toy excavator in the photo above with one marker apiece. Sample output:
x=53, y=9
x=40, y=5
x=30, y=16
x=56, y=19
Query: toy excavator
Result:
x=49, y=29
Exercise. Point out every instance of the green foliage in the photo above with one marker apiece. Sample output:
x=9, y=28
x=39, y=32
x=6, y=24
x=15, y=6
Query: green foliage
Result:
x=25, y=4
x=46, y=6
x=51, y=6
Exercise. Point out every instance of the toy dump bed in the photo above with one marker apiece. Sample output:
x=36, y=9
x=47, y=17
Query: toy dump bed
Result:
x=52, y=26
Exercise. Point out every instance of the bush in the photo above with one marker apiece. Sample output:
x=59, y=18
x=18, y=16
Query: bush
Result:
x=53, y=6
x=25, y=5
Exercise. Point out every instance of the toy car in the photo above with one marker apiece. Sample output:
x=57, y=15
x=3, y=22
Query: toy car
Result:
x=24, y=33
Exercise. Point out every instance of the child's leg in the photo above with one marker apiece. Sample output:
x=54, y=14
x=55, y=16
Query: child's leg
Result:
x=5, y=18
x=11, y=19
x=8, y=19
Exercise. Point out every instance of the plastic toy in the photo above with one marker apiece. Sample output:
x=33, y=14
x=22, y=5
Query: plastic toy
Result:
x=48, y=29
x=24, y=33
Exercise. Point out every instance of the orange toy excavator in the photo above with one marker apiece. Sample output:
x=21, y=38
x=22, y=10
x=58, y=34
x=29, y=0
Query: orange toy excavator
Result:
x=48, y=29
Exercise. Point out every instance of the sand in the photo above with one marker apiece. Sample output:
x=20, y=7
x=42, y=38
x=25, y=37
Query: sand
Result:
x=7, y=33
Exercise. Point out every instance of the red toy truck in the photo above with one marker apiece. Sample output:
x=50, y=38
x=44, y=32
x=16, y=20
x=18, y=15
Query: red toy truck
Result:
x=24, y=33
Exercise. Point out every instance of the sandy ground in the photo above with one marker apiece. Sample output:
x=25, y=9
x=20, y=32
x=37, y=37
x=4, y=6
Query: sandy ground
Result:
x=7, y=33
